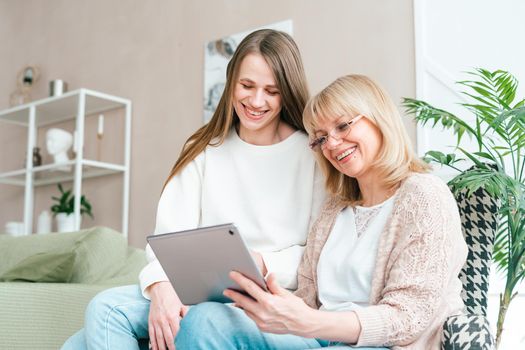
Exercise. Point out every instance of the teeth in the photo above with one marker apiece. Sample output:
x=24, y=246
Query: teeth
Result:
x=254, y=113
x=346, y=153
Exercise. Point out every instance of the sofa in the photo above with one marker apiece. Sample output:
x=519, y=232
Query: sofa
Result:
x=46, y=282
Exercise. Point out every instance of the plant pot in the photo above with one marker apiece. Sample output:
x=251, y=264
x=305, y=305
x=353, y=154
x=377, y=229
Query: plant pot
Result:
x=66, y=222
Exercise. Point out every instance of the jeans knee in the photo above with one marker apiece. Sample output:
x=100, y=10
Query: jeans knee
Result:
x=100, y=306
x=96, y=309
x=205, y=319
x=216, y=326
x=205, y=315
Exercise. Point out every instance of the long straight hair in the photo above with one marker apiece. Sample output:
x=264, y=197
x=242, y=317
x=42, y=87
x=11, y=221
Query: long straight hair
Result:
x=282, y=55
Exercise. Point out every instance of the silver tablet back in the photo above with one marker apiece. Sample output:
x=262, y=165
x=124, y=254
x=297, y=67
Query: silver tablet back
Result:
x=198, y=262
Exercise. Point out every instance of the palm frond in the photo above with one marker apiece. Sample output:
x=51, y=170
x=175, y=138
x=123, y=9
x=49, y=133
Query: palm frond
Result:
x=441, y=158
x=497, y=89
x=425, y=113
x=513, y=123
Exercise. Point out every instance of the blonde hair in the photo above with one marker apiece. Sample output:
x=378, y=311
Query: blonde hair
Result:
x=282, y=55
x=353, y=95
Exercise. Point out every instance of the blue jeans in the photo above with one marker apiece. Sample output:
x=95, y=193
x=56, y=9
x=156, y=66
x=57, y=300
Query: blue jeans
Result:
x=218, y=326
x=116, y=318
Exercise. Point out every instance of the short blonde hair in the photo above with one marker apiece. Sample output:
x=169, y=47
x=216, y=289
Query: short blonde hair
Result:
x=357, y=94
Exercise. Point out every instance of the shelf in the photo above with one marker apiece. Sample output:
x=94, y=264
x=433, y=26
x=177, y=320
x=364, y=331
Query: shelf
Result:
x=74, y=106
x=51, y=174
x=60, y=108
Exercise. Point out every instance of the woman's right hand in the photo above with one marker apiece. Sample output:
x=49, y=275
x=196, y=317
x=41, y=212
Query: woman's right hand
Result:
x=165, y=313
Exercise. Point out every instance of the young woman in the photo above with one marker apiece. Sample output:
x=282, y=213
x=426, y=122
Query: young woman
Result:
x=249, y=165
x=382, y=260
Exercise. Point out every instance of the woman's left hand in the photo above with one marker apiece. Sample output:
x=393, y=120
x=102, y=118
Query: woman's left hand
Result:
x=277, y=312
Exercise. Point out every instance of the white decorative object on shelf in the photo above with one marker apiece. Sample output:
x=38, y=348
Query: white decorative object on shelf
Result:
x=74, y=106
x=65, y=222
x=14, y=228
x=58, y=142
x=44, y=222
x=57, y=87
x=100, y=134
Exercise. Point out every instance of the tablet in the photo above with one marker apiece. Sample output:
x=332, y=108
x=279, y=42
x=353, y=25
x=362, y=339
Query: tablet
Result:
x=198, y=262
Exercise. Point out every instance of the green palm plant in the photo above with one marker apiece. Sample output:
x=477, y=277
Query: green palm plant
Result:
x=499, y=159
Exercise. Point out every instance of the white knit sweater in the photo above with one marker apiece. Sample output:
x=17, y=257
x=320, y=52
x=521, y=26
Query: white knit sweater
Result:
x=269, y=192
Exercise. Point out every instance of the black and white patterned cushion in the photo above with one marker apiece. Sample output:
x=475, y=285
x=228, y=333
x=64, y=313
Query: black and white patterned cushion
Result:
x=467, y=332
x=479, y=223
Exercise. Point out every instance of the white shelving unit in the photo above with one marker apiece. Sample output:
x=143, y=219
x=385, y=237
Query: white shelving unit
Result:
x=74, y=105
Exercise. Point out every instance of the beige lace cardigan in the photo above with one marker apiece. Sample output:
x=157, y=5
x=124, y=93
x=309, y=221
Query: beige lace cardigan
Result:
x=415, y=285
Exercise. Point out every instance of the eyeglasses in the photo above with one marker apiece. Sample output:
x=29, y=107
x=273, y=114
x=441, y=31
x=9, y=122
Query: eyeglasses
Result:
x=337, y=133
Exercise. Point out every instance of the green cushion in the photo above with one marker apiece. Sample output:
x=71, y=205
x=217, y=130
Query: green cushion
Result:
x=100, y=252
x=42, y=267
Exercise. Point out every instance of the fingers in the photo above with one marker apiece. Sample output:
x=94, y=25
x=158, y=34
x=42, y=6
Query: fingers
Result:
x=163, y=336
x=241, y=300
x=184, y=310
x=169, y=335
x=152, y=337
x=162, y=332
x=161, y=345
x=248, y=285
x=274, y=286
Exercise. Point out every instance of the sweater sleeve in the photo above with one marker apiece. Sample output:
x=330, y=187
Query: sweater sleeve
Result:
x=285, y=263
x=319, y=196
x=179, y=208
x=306, y=289
x=417, y=270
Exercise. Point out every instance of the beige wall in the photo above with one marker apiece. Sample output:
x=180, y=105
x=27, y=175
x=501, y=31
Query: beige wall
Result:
x=152, y=53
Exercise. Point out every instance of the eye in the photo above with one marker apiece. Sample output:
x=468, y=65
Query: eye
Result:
x=246, y=86
x=322, y=140
x=342, y=127
x=272, y=92
x=318, y=142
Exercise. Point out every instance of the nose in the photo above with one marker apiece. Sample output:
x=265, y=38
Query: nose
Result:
x=332, y=142
x=257, y=99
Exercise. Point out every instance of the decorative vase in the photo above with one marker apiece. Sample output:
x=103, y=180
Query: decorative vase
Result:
x=44, y=222
x=65, y=222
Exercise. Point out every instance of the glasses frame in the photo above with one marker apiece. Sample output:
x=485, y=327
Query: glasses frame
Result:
x=320, y=142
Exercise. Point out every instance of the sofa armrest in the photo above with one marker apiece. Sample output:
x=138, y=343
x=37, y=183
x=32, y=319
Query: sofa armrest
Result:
x=467, y=332
x=42, y=315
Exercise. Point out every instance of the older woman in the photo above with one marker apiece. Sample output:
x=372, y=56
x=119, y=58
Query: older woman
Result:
x=382, y=261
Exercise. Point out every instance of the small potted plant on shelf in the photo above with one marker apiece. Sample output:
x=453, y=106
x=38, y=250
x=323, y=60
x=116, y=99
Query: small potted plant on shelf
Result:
x=65, y=207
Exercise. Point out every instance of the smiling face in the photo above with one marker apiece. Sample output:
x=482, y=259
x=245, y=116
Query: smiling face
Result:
x=256, y=97
x=354, y=153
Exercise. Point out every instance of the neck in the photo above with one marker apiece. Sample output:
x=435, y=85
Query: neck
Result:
x=61, y=157
x=269, y=135
x=374, y=192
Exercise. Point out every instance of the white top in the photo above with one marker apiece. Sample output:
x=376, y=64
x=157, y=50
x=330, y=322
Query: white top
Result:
x=271, y=193
x=348, y=258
